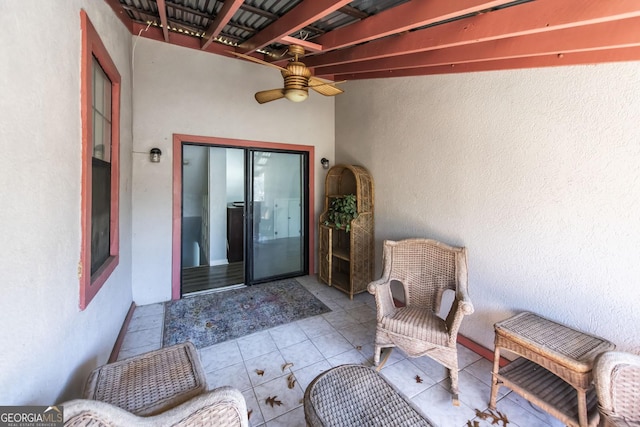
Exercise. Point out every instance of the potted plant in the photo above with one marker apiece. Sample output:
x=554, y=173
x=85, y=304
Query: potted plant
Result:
x=342, y=210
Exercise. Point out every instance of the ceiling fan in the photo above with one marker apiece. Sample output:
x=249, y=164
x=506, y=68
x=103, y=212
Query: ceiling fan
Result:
x=297, y=79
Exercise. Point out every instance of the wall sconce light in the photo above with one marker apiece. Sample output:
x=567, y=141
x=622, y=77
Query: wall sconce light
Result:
x=154, y=155
x=325, y=163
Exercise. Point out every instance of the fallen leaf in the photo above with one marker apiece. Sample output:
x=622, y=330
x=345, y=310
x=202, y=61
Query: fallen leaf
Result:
x=494, y=416
x=208, y=324
x=249, y=412
x=272, y=401
x=286, y=366
x=291, y=381
x=359, y=347
x=260, y=372
x=418, y=379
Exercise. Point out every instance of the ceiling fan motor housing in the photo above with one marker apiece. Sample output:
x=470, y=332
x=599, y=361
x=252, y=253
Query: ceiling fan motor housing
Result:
x=296, y=76
x=296, y=81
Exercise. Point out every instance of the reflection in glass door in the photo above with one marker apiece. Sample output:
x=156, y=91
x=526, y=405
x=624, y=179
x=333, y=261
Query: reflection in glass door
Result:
x=277, y=237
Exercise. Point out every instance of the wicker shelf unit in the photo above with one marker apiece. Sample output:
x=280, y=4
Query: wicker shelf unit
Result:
x=347, y=258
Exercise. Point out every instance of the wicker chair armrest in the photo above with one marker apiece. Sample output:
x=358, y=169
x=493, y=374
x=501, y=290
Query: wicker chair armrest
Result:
x=381, y=289
x=222, y=406
x=617, y=378
x=464, y=303
x=460, y=307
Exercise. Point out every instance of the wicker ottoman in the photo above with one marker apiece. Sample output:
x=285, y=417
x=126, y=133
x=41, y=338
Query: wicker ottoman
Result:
x=355, y=395
x=150, y=383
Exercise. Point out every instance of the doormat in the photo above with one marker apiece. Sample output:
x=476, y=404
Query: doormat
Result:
x=216, y=317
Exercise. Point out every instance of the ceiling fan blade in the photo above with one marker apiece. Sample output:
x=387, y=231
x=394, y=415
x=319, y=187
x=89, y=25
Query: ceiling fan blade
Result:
x=325, y=88
x=269, y=95
x=256, y=60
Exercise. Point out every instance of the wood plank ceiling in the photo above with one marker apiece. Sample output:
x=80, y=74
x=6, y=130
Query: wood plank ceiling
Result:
x=350, y=40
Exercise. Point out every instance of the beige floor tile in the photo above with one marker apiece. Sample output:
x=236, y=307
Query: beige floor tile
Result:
x=266, y=367
x=301, y=354
x=316, y=344
x=286, y=398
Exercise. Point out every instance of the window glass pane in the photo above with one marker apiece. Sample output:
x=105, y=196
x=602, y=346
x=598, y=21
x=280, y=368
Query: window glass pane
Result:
x=101, y=113
x=100, y=213
x=93, y=84
x=107, y=141
x=98, y=134
x=98, y=86
x=107, y=99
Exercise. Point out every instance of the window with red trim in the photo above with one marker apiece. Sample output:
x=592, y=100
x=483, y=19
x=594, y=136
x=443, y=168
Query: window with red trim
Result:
x=100, y=109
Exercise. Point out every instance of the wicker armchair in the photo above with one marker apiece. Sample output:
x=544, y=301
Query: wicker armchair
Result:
x=425, y=268
x=617, y=379
x=224, y=406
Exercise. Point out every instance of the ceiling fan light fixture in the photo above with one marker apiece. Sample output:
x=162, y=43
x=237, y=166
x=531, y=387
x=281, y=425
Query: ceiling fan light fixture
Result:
x=296, y=95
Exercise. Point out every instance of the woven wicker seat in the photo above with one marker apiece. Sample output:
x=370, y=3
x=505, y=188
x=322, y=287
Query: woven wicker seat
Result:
x=356, y=395
x=165, y=387
x=425, y=269
x=223, y=406
x=149, y=383
x=617, y=380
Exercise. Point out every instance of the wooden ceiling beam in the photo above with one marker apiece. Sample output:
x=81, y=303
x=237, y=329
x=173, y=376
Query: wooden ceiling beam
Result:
x=577, y=58
x=309, y=46
x=186, y=9
x=528, y=18
x=174, y=24
x=302, y=15
x=602, y=36
x=178, y=39
x=353, y=12
x=162, y=12
x=258, y=11
x=229, y=8
x=405, y=17
x=121, y=14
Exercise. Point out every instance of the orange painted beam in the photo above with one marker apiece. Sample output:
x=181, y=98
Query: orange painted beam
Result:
x=305, y=13
x=528, y=18
x=608, y=35
x=555, y=60
x=162, y=12
x=405, y=17
x=229, y=8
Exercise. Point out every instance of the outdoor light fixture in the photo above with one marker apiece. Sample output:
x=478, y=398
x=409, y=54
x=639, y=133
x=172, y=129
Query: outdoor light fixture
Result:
x=154, y=155
x=325, y=163
x=296, y=95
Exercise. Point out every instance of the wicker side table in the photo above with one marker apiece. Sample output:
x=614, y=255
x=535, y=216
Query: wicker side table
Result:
x=356, y=395
x=555, y=370
x=150, y=383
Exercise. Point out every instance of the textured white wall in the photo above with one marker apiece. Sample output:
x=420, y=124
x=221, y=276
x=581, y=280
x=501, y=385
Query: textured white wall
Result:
x=178, y=90
x=48, y=344
x=535, y=171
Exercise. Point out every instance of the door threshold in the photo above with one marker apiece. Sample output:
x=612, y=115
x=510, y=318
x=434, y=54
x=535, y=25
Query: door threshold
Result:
x=214, y=290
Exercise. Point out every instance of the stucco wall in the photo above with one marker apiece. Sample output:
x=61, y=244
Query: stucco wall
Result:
x=536, y=172
x=184, y=91
x=49, y=345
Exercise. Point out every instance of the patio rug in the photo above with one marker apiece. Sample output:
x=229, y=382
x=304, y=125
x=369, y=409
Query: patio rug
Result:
x=212, y=318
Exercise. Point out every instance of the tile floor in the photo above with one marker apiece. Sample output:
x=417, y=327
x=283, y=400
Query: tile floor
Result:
x=313, y=345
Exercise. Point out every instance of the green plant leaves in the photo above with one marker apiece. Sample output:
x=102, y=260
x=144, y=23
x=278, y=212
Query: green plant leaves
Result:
x=342, y=210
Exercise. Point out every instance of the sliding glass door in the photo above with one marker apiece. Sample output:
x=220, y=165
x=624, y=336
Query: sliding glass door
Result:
x=244, y=216
x=277, y=210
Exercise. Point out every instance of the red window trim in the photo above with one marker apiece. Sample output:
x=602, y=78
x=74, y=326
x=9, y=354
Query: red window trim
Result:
x=92, y=47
